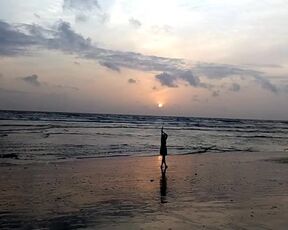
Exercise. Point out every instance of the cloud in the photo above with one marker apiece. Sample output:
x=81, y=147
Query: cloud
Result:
x=166, y=79
x=188, y=76
x=218, y=71
x=133, y=60
x=135, y=23
x=132, y=81
x=16, y=40
x=13, y=41
x=32, y=80
x=170, y=79
x=110, y=65
x=81, y=5
x=84, y=9
x=235, y=87
x=65, y=39
x=266, y=84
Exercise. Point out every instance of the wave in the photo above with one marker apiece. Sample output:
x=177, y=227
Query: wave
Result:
x=153, y=127
x=214, y=149
x=47, y=136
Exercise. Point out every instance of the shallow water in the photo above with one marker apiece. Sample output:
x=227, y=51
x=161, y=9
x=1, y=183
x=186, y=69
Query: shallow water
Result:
x=43, y=136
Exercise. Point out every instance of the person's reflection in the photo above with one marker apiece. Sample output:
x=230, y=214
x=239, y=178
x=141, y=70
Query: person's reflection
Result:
x=163, y=186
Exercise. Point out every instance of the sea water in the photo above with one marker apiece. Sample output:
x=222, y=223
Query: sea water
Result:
x=49, y=136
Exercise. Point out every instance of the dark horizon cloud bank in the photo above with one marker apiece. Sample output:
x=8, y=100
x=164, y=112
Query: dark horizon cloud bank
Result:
x=20, y=39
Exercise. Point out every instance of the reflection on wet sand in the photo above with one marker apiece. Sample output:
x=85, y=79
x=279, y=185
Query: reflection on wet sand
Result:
x=205, y=191
x=163, y=186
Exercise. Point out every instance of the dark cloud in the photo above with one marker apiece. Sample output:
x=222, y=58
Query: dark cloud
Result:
x=67, y=40
x=13, y=41
x=133, y=60
x=132, y=81
x=62, y=37
x=167, y=79
x=32, y=80
x=18, y=39
x=135, y=23
x=81, y=5
x=235, y=87
x=217, y=71
x=266, y=84
x=188, y=76
x=170, y=79
x=110, y=65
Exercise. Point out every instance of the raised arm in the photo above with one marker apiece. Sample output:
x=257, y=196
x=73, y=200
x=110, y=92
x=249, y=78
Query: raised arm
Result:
x=166, y=135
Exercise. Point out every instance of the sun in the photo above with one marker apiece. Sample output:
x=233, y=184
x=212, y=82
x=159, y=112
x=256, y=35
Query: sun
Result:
x=160, y=105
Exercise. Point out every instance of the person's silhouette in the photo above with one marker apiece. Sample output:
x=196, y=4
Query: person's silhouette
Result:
x=163, y=186
x=163, y=148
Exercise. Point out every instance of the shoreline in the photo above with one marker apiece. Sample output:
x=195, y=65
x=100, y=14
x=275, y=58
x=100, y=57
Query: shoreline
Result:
x=18, y=161
x=199, y=191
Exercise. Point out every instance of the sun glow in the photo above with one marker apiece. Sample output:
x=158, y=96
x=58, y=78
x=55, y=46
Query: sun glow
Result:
x=160, y=105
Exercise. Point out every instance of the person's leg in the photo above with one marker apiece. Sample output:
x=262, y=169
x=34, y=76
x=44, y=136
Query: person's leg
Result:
x=162, y=162
x=165, y=161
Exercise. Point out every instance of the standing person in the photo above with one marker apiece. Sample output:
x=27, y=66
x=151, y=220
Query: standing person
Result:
x=163, y=148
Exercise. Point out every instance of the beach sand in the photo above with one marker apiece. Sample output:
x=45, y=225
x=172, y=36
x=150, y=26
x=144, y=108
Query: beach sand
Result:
x=204, y=191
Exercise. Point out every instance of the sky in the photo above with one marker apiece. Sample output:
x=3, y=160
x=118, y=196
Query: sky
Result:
x=204, y=58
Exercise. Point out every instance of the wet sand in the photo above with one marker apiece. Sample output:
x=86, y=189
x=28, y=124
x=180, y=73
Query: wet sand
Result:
x=205, y=191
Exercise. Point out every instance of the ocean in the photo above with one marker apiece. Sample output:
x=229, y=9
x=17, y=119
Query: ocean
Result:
x=54, y=136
